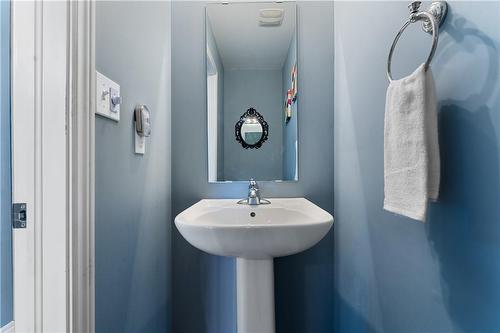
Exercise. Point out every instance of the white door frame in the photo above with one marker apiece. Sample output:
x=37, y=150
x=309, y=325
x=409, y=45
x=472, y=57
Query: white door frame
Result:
x=52, y=46
x=212, y=116
x=22, y=115
x=81, y=133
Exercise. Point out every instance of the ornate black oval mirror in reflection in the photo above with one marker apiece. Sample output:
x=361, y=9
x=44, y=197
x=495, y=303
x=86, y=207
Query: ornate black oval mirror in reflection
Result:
x=251, y=130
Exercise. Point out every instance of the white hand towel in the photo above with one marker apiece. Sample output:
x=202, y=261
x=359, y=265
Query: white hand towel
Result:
x=411, y=148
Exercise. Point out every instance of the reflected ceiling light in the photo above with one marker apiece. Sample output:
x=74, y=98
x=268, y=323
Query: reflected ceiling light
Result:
x=271, y=17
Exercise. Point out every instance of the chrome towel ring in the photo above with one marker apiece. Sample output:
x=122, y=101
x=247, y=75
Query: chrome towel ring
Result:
x=432, y=19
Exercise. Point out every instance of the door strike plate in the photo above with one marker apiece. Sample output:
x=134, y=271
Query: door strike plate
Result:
x=19, y=215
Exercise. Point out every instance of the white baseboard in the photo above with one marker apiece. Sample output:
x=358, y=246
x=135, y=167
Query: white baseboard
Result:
x=9, y=328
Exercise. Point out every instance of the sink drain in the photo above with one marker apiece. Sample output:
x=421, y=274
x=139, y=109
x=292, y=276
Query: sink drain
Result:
x=252, y=214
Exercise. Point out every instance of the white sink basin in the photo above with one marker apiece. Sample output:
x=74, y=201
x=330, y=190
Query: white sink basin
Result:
x=255, y=235
x=222, y=227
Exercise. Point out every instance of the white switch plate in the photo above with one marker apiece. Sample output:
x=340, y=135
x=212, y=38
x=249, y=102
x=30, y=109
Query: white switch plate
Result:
x=104, y=88
x=140, y=143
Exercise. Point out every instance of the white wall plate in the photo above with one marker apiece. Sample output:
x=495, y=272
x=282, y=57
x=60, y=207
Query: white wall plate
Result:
x=105, y=90
x=140, y=144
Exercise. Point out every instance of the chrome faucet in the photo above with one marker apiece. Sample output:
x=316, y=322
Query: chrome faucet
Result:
x=253, y=193
x=253, y=197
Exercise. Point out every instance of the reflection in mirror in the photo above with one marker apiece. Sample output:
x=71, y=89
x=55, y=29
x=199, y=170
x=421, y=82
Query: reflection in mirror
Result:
x=251, y=63
x=251, y=130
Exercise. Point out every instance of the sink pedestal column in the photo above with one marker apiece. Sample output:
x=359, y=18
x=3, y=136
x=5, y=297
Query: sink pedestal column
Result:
x=255, y=295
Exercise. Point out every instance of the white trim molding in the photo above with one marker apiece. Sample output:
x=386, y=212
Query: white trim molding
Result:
x=23, y=91
x=81, y=152
x=53, y=80
x=39, y=164
x=9, y=328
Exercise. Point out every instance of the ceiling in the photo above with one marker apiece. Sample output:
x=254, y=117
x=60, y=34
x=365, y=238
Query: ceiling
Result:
x=243, y=43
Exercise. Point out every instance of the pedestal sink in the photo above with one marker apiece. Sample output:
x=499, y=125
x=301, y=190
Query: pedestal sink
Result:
x=254, y=235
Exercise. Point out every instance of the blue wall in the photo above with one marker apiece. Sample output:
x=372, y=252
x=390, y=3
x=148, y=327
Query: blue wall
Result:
x=133, y=219
x=204, y=297
x=5, y=180
x=260, y=89
x=289, y=164
x=393, y=274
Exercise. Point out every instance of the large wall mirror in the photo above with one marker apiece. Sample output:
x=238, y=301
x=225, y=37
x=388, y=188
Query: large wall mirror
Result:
x=252, y=91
